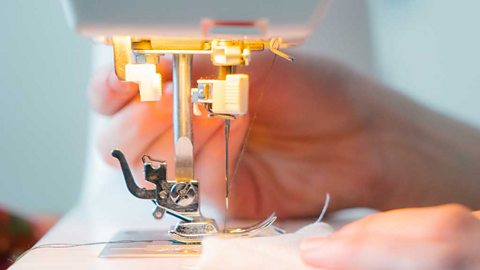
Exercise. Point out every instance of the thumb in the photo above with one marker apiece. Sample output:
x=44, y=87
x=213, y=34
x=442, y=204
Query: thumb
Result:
x=107, y=94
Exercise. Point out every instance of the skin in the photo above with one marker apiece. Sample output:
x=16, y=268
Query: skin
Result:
x=441, y=237
x=318, y=127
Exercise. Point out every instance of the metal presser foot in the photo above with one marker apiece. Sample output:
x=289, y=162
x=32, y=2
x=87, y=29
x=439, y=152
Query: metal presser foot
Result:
x=180, y=199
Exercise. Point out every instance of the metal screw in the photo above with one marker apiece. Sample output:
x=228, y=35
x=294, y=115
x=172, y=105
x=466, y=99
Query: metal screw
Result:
x=209, y=228
x=183, y=194
x=162, y=194
x=158, y=213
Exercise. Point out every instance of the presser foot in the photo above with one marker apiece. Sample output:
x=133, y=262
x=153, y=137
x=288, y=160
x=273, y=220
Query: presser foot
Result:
x=193, y=231
x=180, y=200
x=190, y=232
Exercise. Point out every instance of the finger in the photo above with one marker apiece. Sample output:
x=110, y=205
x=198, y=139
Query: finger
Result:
x=210, y=165
x=135, y=127
x=476, y=214
x=107, y=94
x=163, y=146
x=378, y=252
x=434, y=222
x=209, y=158
x=139, y=125
x=204, y=129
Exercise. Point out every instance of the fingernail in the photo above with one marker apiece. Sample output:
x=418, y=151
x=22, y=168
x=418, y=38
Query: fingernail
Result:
x=314, y=251
x=115, y=84
x=312, y=243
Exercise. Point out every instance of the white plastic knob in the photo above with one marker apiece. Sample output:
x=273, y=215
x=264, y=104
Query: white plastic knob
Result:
x=234, y=97
x=149, y=81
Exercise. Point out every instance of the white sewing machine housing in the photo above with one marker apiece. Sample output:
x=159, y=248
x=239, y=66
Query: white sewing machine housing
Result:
x=205, y=19
x=143, y=31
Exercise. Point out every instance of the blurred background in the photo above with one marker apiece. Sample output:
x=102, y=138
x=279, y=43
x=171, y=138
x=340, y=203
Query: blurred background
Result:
x=427, y=49
x=44, y=69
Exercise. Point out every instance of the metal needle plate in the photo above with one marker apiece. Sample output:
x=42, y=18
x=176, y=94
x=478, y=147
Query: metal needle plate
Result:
x=146, y=244
x=143, y=244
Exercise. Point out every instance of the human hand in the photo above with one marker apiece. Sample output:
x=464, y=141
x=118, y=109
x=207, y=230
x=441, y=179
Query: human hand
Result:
x=308, y=137
x=318, y=127
x=442, y=237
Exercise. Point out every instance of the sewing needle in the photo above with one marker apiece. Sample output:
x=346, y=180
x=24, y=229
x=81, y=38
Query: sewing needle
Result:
x=227, y=180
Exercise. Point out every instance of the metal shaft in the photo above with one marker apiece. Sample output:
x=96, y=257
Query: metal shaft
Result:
x=223, y=71
x=182, y=125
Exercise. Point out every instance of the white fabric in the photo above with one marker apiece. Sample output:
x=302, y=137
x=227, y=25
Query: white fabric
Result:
x=269, y=252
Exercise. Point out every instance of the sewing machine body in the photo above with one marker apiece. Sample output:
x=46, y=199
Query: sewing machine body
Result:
x=291, y=20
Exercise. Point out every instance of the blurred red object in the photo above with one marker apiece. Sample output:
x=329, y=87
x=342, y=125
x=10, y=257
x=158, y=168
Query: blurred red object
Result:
x=18, y=234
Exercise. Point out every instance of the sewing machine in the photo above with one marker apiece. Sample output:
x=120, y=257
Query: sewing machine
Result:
x=230, y=32
x=105, y=206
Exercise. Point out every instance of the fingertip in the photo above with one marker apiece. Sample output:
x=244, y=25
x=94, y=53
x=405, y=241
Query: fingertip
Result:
x=118, y=86
x=105, y=152
x=330, y=252
x=312, y=243
x=311, y=256
x=107, y=94
x=105, y=146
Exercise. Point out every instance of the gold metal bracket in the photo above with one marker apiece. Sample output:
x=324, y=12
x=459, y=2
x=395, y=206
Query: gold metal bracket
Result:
x=124, y=47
